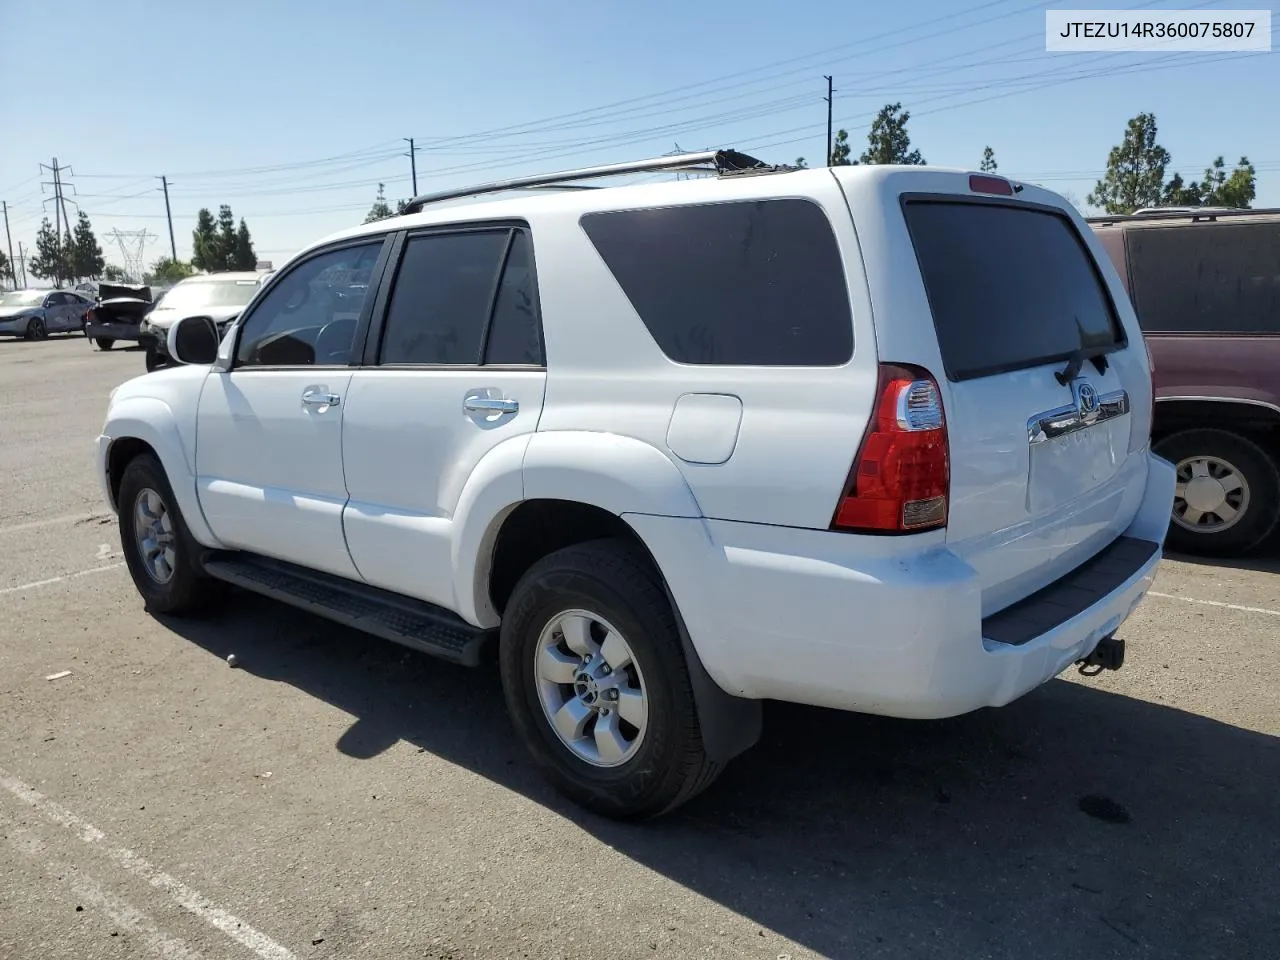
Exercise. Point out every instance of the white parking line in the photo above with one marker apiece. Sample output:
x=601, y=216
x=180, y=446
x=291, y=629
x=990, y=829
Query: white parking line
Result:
x=1215, y=603
x=69, y=576
x=125, y=916
x=54, y=521
x=184, y=896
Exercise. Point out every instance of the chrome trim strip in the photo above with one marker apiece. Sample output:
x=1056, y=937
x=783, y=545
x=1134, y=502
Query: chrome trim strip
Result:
x=1245, y=400
x=1066, y=419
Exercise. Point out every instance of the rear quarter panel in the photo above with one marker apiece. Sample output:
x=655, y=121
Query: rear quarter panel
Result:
x=1219, y=366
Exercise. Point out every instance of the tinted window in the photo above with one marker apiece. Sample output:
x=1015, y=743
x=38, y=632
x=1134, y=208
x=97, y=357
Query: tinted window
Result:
x=514, y=335
x=1009, y=287
x=1207, y=277
x=757, y=284
x=441, y=298
x=310, y=315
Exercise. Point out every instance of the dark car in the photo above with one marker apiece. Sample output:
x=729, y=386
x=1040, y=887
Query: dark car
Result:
x=117, y=314
x=1206, y=287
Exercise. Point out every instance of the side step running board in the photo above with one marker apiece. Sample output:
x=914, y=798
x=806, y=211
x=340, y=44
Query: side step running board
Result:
x=390, y=616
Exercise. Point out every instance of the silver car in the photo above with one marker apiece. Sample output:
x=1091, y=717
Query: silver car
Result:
x=34, y=314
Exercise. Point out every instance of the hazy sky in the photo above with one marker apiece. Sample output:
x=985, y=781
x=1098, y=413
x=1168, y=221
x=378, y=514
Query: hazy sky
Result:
x=293, y=112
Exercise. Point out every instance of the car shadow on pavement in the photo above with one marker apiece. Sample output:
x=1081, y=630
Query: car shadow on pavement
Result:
x=1072, y=823
x=1266, y=560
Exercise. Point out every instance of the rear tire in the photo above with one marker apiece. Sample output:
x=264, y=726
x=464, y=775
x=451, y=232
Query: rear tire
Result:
x=1228, y=495
x=153, y=360
x=104, y=343
x=649, y=758
x=158, y=548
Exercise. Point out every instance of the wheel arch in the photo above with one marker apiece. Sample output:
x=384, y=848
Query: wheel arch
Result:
x=1257, y=419
x=147, y=425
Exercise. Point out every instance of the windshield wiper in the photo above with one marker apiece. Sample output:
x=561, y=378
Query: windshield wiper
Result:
x=1072, y=370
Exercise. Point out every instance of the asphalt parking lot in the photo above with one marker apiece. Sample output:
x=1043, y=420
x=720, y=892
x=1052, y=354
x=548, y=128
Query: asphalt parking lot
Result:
x=338, y=796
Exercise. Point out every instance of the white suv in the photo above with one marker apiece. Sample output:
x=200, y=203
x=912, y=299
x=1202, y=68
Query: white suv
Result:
x=870, y=438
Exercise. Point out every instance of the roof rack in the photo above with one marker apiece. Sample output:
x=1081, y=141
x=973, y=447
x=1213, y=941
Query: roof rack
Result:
x=720, y=162
x=1181, y=213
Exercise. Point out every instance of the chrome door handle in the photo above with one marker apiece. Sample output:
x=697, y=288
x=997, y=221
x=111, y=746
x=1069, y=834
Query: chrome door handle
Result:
x=314, y=398
x=489, y=405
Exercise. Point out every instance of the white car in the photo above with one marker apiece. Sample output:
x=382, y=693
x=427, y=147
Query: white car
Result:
x=870, y=438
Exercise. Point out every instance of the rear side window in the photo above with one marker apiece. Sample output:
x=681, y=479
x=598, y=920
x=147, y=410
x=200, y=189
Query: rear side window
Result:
x=1206, y=277
x=757, y=283
x=462, y=299
x=1009, y=286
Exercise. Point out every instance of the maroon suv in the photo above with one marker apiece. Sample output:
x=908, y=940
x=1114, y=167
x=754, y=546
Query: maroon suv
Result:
x=1206, y=287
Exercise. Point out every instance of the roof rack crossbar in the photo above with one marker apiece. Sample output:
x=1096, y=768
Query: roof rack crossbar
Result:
x=1181, y=213
x=709, y=161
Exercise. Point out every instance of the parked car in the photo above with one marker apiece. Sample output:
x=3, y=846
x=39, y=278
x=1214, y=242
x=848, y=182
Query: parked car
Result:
x=117, y=315
x=1206, y=287
x=218, y=295
x=34, y=314
x=677, y=448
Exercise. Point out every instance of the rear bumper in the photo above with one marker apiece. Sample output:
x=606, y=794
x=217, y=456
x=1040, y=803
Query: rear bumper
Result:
x=111, y=331
x=882, y=625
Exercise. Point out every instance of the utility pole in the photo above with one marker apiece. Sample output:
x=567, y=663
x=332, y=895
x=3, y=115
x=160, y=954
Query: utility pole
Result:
x=830, y=94
x=13, y=267
x=413, y=163
x=173, y=247
x=62, y=200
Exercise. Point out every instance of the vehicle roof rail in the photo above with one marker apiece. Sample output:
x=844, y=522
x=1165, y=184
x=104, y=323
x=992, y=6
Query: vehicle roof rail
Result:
x=1182, y=213
x=719, y=162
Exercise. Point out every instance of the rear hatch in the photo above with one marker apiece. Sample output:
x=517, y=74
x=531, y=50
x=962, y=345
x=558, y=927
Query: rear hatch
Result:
x=1008, y=300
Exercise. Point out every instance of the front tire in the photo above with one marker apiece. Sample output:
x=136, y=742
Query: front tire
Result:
x=153, y=360
x=104, y=343
x=597, y=685
x=36, y=329
x=157, y=546
x=1227, y=499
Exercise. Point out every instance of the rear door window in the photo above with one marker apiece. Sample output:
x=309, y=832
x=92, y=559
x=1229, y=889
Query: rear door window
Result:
x=1009, y=286
x=1219, y=277
x=756, y=283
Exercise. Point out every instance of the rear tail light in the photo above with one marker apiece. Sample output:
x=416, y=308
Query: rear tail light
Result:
x=902, y=474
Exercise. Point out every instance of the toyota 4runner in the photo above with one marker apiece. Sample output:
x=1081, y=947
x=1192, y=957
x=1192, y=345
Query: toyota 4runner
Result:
x=869, y=438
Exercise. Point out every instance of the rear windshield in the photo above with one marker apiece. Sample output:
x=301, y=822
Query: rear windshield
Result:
x=1009, y=286
x=1207, y=277
x=753, y=283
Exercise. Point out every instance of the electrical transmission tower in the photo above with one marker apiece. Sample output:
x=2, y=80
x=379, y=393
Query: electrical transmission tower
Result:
x=132, y=244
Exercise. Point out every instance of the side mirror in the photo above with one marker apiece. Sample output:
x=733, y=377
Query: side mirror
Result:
x=193, y=340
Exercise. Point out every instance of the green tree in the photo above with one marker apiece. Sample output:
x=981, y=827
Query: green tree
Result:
x=204, y=243
x=85, y=252
x=226, y=238
x=380, y=209
x=243, y=256
x=114, y=274
x=6, y=270
x=840, y=150
x=988, y=164
x=1237, y=189
x=888, y=141
x=1135, y=170
x=1176, y=193
x=167, y=270
x=801, y=164
x=52, y=259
